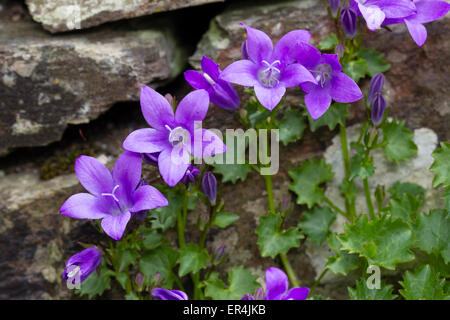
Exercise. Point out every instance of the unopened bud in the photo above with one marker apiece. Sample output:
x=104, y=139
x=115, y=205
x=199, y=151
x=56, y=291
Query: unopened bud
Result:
x=378, y=108
x=209, y=184
x=376, y=85
x=349, y=20
x=259, y=294
x=139, y=280
x=334, y=6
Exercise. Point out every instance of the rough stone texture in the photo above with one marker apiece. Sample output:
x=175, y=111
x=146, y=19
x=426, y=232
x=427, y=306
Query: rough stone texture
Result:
x=65, y=15
x=47, y=82
x=387, y=173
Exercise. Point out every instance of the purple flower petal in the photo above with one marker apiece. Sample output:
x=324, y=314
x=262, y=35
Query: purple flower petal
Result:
x=308, y=55
x=147, y=198
x=83, y=206
x=223, y=95
x=127, y=173
x=172, y=166
x=344, y=89
x=295, y=74
x=428, y=11
x=196, y=79
x=243, y=72
x=333, y=61
x=277, y=283
x=373, y=15
x=269, y=97
x=164, y=294
x=317, y=101
x=247, y=296
x=210, y=67
x=393, y=9
x=417, y=31
x=93, y=175
x=206, y=144
x=87, y=261
x=147, y=140
x=156, y=109
x=193, y=107
x=114, y=226
x=259, y=45
x=285, y=49
x=297, y=294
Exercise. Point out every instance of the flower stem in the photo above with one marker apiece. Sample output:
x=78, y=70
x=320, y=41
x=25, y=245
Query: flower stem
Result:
x=324, y=272
x=368, y=199
x=335, y=207
x=290, y=272
x=181, y=219
x=268, y=179
x=349, y=204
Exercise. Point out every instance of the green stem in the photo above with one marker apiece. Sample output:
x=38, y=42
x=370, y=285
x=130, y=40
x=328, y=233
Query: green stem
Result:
x=181, y=219
x=290, y=272
x=196, y=279
x=324, y=272
x=349, y=205
x=336, y=208
x=268, y=179
x=368, y=199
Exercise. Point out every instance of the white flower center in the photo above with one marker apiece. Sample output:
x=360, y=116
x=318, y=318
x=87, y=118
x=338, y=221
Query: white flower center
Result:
x=269, y=75
x=178, y=135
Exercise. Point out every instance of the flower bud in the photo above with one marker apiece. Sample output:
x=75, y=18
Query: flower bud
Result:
x=82, y=264
x=376, y=85
x=259, y=294
x=209, y=184
x=247, y=296
x=189, y=176
x=220, y=253
x=378, y=108
x=157, y=279
x=349, y=20
x=340, y=50
x=334, y=6
x=139, y=280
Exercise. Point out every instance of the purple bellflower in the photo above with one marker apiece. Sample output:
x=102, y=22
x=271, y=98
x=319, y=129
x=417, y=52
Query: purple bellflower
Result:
x=277, y=285
x=375, y=12
x=269, y=70
x=81, y=265
x=165, y=294
x=332, y=83
x=175, y=137
x=221, y=93
x=427, y=11
x=115, y=197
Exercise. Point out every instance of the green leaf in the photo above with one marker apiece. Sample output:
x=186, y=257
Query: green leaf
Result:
x=401, y=188
x=404, y=208
x=241, y=281
x=152, y=240
x=316, y=223
x=441, y=165
x=335, y=115
x=232, y=172
x=192, y=259
x=362, y=292
x=432, y=232
x=329, y=43
x=95, y=285
x=163, y=259
x=447, y=199
x=423, y=284
x=126, y=257
x=224, y=219
x=292, y=126
x=374, y=61
x=165, y=217
x=307, y=180
x=343, y=262
x=361, y=167
x=131, y=296
x=398, y=141
x=383, y=242
x=272, y=240
x=355, y=69
x=122, y=278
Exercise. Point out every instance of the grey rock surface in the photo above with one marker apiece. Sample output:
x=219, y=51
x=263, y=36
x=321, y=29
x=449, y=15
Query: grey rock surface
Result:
x=48, y=82
x=66, y=15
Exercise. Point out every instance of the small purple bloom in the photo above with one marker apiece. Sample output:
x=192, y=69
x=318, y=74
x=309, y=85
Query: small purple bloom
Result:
x=378, y=108
x=376, y=85
x=427, y=11
x=209, y=184
x=334, y=6
x=349, y=20
x=221, y=93
x=115, y=197
x=376, y=11
x=165, y=294
x=277, y=285
x=81, y=265
x=189, y=176
x=332, y=83
x=175, y=137
x=269, y=70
